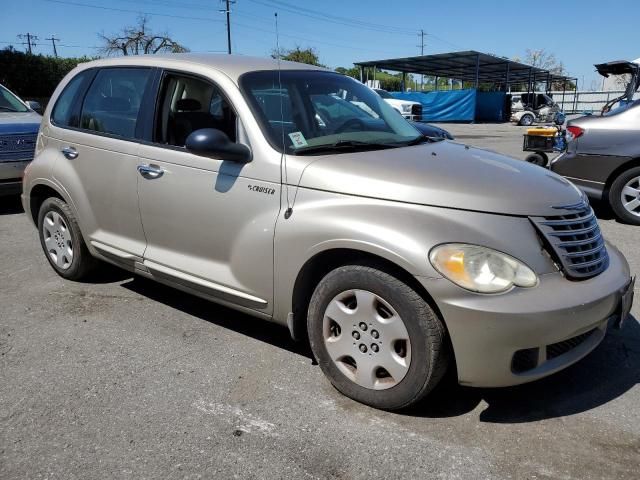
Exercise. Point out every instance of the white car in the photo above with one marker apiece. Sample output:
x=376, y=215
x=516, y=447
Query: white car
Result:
x=408, y=109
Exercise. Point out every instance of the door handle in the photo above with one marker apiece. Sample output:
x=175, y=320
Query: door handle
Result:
x=150, y=172
x=70, y=152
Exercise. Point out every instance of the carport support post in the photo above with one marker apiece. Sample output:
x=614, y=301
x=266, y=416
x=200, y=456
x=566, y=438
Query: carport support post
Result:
x=477, y=71
x=529, y=84
x=507, y=82
x=403, y=86
x=361, y=74
x=436, y=87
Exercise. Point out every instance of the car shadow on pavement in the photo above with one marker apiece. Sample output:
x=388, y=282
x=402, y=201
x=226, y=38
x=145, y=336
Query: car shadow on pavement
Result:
x=10, y=205
x=258, y=329
x=608, y=372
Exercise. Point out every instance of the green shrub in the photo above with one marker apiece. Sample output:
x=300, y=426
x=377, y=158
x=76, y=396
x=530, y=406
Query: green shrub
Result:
x=33, y=76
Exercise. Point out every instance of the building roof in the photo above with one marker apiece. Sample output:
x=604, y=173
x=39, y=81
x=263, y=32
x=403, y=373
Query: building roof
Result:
x=468, y=65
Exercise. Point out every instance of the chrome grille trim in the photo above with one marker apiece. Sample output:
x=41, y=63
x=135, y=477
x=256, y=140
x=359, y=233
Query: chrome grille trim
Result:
x=575, y=241
x=17, y=147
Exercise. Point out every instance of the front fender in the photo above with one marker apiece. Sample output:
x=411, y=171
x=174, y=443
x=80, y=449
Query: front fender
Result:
x=401, y=233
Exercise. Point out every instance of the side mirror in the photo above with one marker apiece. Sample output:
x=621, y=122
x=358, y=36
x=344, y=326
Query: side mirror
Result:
x=35, y=106
x=214, y=143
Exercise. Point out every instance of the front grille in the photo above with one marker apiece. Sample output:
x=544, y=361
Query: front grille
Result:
x=576, y=242
x=15, y=148
x=556, y=349
x=416, y=111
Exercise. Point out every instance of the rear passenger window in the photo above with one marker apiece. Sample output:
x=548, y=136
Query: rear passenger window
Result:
x=113, y=101
x=62, y=114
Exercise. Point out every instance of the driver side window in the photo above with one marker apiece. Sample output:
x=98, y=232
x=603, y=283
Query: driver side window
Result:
x=188, y=104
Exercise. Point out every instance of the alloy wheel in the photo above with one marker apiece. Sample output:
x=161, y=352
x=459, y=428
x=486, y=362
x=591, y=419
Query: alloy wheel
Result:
x=57, y=239
x=630, y=196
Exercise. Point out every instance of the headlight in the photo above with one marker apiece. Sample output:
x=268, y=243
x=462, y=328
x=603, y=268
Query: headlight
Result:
x=480, y=269
x=406, y=107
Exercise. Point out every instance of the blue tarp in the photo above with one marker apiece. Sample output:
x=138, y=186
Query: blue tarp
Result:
x=444, y=106
x=490, y=106
x=458, y=105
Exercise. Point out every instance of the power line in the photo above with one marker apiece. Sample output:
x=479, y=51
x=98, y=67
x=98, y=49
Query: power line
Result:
x=317, y=15
x=31, y=41
x=152, y=14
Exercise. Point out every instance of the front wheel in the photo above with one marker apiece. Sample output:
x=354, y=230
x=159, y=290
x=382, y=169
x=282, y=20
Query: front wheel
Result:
x=375, y=338
x=624, y=196
x=539, y=158
x=526, y=120
x=62, y=241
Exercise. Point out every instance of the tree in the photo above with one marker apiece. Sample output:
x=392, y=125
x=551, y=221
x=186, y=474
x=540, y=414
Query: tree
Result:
x=546, y=61
x=307, y=55
x=138, y=39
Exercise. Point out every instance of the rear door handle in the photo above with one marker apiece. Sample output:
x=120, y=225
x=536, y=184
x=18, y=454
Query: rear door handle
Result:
x=150, y=172
x=70, y=152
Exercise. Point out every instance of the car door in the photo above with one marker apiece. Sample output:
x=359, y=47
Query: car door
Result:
x=96, y=133
x=209, y=223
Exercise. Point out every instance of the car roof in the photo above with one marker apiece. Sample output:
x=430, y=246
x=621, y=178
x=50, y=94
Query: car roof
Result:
x=232, y=65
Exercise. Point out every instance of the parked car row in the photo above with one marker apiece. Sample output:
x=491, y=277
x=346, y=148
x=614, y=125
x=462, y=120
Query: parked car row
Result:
x=300, y=196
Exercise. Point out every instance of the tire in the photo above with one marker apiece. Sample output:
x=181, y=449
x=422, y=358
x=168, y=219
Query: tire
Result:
x=526, y=120
x=411, y=367
x=624, y=196
x=538, y=158
x=59, y=232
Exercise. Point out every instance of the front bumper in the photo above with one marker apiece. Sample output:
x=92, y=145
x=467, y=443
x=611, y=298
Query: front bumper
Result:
x=11, y=174
x=487, y=330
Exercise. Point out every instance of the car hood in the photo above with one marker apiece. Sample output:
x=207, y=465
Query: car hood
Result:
x=399, y=101
x=19, y=122
x=444, y=174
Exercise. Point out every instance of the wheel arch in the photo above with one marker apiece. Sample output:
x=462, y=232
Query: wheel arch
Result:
x=316, y=267
x=631, y=163
x=38, y=194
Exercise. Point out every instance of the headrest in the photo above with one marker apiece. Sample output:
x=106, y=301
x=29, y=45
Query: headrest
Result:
x=114, y=104
x=188, y=105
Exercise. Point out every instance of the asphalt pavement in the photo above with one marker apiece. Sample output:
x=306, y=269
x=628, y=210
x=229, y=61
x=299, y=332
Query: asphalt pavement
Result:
x=125, y=378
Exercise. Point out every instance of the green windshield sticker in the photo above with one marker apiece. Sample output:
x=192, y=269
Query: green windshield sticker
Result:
x=298, y=139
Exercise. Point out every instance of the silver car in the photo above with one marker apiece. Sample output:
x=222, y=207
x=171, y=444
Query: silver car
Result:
x=396, y=255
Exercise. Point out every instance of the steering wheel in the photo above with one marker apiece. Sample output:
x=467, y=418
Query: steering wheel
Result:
x=351, y=123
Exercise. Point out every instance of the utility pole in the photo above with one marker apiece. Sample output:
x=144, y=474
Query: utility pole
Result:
x=422, y=54
x=228, y=12
x=53, y=42
x=31, y=41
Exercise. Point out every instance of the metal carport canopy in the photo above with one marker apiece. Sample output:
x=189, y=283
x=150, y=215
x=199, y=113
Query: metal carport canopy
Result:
x=468, y=65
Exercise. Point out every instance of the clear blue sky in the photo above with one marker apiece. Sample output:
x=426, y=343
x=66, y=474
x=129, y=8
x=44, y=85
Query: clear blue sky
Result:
x=579, y=33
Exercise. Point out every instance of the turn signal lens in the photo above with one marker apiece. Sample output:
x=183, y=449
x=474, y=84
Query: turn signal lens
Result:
x=481, y=269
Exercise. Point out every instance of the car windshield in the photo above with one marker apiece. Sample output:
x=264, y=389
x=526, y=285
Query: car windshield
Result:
x=10, y=103
x=313, y=111
x=383, y=93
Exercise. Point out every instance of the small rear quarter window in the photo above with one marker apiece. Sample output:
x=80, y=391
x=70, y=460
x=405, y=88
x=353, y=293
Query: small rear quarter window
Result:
x=63, y=111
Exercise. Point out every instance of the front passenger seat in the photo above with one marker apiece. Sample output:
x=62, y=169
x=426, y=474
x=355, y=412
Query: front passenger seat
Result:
x=188, y=118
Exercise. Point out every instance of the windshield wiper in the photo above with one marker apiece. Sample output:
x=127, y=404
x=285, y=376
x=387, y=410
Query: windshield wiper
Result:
x=423, y=139
x=345, y=145
x=7, y=109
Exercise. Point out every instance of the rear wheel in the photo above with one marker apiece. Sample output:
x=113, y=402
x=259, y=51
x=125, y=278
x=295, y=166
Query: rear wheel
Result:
x=62, y=241
x=375, y=338
x=624, y=196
